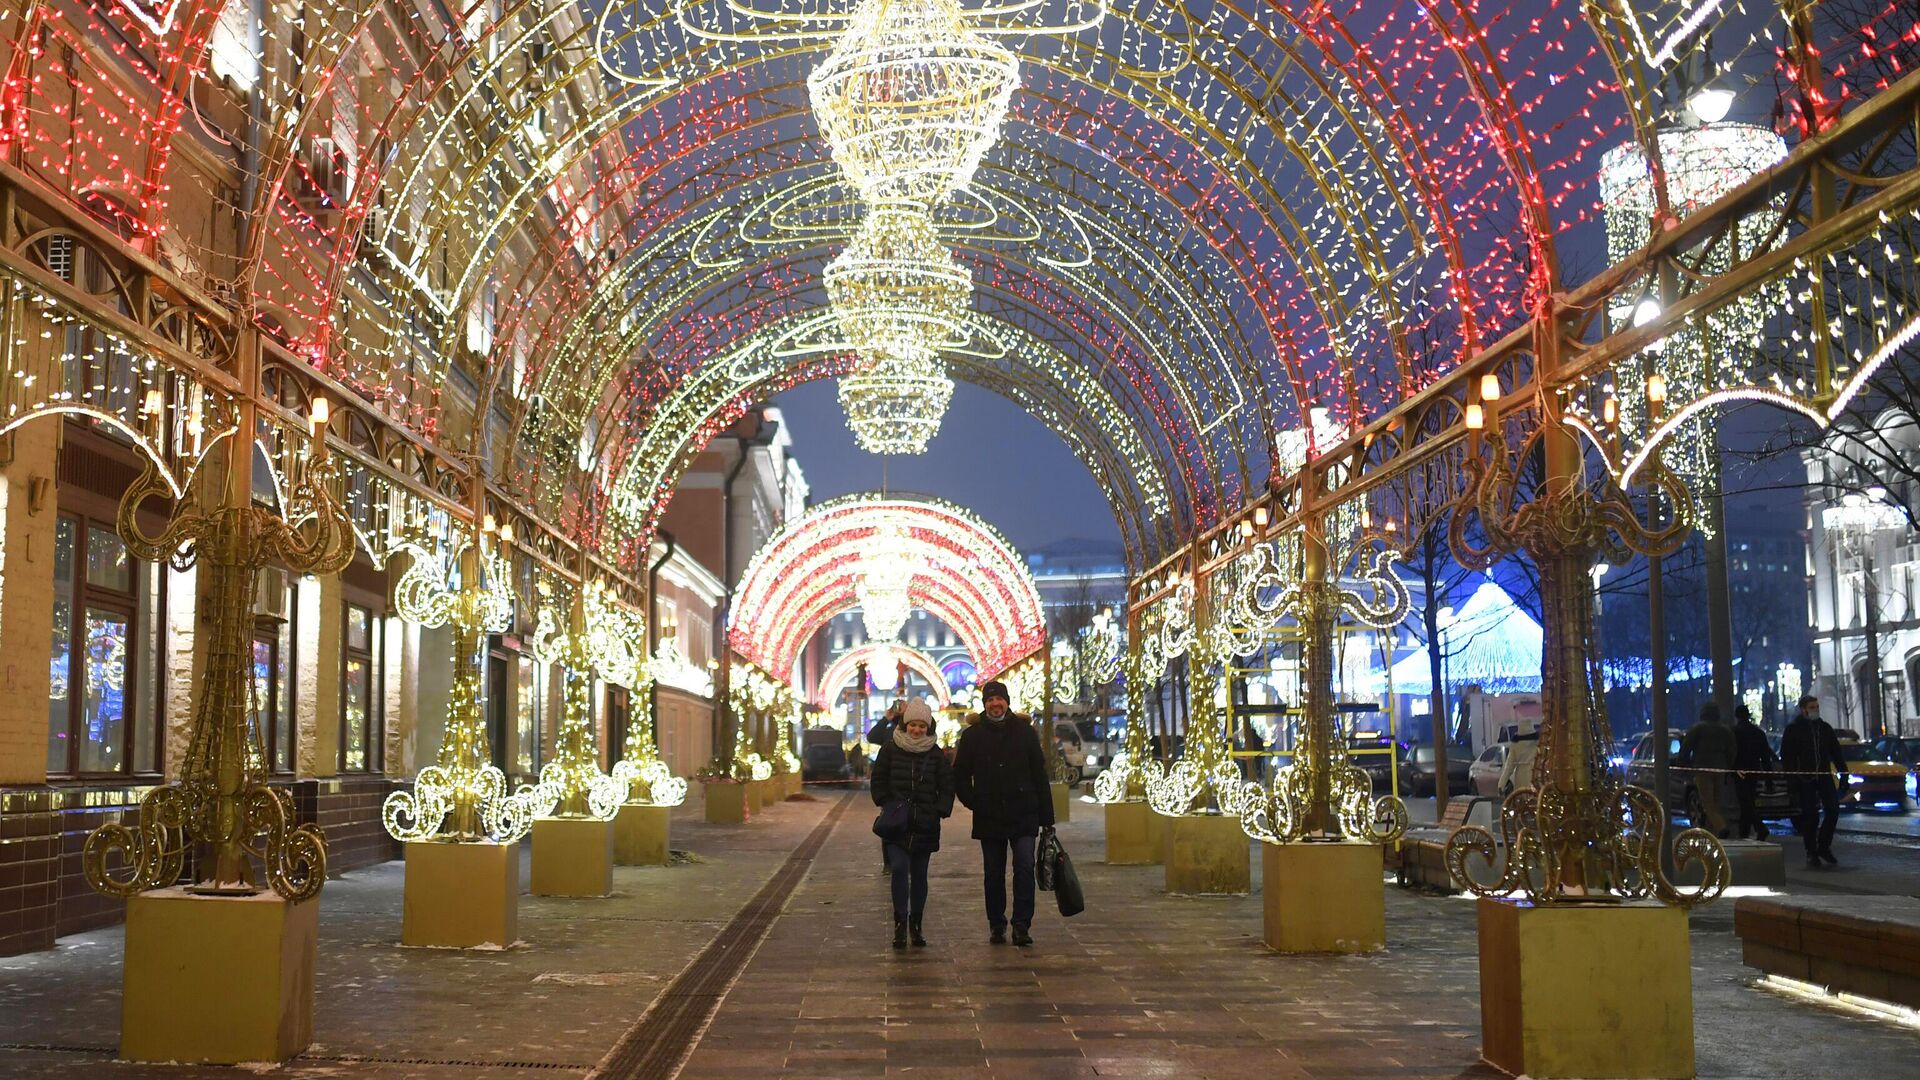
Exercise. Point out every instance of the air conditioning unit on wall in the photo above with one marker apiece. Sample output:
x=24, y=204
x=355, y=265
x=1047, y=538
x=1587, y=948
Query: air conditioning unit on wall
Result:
x=270, y=594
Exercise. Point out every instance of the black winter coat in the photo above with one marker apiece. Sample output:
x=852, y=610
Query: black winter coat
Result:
x=1000, y=772
x=925, y=780
x=1809, y=747
x=1753, y=755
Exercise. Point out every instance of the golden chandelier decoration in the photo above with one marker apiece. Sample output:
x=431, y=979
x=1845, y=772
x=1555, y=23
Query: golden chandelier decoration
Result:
x=911, y=98
x=222, y=801
x=896, y=290
x=895, y=405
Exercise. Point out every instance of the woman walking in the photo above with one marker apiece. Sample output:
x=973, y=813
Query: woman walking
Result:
x=912, y=769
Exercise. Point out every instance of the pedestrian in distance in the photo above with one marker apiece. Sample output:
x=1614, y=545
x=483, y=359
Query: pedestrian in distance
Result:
x=1809, y=753
x=1753, y=762
x=1000, y=773
x=1710, y=750
x=911, y=768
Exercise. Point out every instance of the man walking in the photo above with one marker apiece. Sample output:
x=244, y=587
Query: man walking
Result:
x=1000, y=773
x=1808, y=753
x=1753, y=759
x=1708, y=750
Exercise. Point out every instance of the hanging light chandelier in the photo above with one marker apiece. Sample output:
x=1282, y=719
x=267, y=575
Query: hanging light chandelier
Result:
x=894, y=404
x=895, y=289
x=886, y=574
x=911, y=98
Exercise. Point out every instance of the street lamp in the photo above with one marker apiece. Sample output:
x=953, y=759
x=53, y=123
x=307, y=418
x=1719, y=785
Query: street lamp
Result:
x=1855, y=522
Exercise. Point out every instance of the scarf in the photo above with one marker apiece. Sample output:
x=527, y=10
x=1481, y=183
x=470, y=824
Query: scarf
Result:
x=910, y=744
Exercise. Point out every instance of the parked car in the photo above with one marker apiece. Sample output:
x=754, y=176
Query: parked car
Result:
x=1874, y=780
x=1373, y=754
x=1066, y=739
x=1774, y=799
x=1904, y=749
x=1099, y=744
x=1483, y=776
x=1416, y=770
x=823, y=757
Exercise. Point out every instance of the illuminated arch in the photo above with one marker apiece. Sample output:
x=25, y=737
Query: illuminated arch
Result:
x=967, y=574
x=880, y=652
x=1296, y=205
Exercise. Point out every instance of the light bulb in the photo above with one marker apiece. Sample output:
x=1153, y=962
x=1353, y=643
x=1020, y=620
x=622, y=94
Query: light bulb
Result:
x=1489, y=388
x=1711, y=102
x=1476, y=417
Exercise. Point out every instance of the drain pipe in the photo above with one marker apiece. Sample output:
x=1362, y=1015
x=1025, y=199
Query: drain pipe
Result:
x=723, y=707
x=653, y=626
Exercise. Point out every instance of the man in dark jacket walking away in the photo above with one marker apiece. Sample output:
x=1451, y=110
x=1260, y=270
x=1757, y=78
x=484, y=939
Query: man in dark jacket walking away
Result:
x=913, y=769
x=1709, y=751
x=1000, y=773
x=1752, y=760
x=1808, y=754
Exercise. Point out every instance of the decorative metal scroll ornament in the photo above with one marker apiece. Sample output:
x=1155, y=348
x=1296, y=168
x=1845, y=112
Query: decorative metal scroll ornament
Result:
x=463, y=796
x=1204, y=780
x=1134, y=770
x=222, y=801
x=1320, y=793
x=572, y=785
x=1579, y=834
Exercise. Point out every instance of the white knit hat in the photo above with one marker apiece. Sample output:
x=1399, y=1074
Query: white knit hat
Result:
x=916, y=710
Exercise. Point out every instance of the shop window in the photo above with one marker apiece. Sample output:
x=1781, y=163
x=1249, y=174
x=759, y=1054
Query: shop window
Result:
x=103, y=708
x=359, y=690
x=532, y=700
x=273, y=700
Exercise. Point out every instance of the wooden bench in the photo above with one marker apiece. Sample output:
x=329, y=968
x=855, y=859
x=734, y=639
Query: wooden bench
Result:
x=1864, y=945
x=1421, y=859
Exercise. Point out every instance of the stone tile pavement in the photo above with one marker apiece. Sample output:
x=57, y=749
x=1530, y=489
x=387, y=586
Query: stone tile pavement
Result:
x=1140, y=985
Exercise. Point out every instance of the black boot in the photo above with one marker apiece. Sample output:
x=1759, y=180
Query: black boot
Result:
x=913, y=928
x=1020, y=936
x=899, y=933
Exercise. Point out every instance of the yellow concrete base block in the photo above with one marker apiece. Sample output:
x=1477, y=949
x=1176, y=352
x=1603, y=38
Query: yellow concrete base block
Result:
x=640, y=834
x=727, y=803
x=1062, y=802
x=1135, y=836
x=1208, y=854
x=460, y=896
x=217, y=979
x=1323, y=898
x=764, y=790
x=1587, y=990
x=572, y=857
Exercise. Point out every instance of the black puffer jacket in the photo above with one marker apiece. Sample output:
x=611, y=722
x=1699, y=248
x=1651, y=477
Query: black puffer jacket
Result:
x=1000, y=772
x=925, y=780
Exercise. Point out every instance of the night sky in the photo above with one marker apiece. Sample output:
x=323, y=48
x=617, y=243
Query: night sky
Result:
x=990, y=457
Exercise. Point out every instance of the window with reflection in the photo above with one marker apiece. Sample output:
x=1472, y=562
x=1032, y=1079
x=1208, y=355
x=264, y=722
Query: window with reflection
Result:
x=359, y=682
x=102, y=706
x=273, y=700
x=532, y=693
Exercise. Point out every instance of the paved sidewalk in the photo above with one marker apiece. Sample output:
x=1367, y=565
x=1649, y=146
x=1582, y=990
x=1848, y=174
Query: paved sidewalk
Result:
x=1147, y=985
x=1141, y=985
x=551, y=1007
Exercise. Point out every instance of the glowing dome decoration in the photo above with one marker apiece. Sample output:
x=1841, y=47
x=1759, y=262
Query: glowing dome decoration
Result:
x=894, y=405
x=964, y=572
x=910, y=98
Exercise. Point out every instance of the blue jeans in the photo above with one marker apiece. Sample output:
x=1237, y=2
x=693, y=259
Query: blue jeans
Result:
x=909, y=880
x=993, y=857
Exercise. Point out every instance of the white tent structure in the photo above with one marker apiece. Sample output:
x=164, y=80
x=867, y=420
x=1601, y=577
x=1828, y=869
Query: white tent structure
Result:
x=1496, y=645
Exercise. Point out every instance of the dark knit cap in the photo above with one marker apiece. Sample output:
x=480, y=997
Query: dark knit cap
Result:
x=995, y=689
